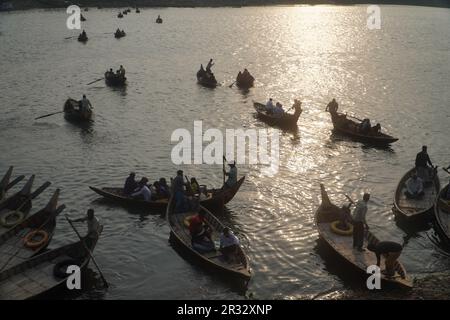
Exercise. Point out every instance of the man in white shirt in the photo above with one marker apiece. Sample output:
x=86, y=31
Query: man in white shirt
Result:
x=269, y=106
x=414, y=187
x=229, y=244
x=359, y=222
x=143, y=191
x=93, y=225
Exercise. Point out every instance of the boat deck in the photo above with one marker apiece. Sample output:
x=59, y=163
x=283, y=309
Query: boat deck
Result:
x=413, y=206
x=344, y=245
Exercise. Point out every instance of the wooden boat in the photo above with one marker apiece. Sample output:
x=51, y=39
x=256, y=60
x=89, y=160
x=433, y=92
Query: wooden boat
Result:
x=119, y=34
x=216, y=197
x=205, y=80
x=442, y=216
x=115, y=80
x=45, y=272
x=138, y=11
x=325, y=215
x=125, y=12
x=159, y=20
x=415, y=210
x=120, y=15
x=13, y=246
x=5, y=183
x=72, y=112
x=350, y=128
x=179, y=235
x=82, y=38
x=244, y=82
x=287, y=120
x=18, y=205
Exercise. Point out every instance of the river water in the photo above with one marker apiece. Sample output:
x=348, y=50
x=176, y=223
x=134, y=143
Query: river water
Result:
x=398, y=75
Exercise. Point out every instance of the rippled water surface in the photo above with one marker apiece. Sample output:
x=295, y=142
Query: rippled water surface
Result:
x=398, y=75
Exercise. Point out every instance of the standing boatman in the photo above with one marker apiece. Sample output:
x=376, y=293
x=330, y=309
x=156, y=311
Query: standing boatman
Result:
x=359, y=222
x=232, y=175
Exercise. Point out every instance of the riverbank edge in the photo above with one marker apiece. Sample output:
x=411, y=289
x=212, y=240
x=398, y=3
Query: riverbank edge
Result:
x=54, y=4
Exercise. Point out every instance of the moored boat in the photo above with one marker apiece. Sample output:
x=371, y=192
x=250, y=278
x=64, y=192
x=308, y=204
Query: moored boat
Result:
x=20, y=243
x=415, y=210
x=286, y=120
x=442, y=216
x=179, y=235
x=45, y=272
x=342, y=244
x=6, y=184
x=73, y=113
x=350, y=128
x=216, y=198
x=16, y=208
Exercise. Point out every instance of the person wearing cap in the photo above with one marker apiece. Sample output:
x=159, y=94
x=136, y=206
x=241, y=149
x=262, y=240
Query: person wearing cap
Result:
x=359, y=222
x=414, y=187
x=143, y=191
x=422, y=162
x=229, y=243
x=130, y=184
x=390, y=250
x=232, y=175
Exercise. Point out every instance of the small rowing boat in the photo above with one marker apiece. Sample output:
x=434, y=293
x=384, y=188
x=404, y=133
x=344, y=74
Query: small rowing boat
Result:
x=350, y=128
x=285, y=120
x=216, y=198
x=20, y=243
x=415, y=210
x=73, y=113
x=325, y=216
x=115, y=80
x=119, y=34
x=180, y=235
x=5, y=183
x=244, y=81
x=206, y=79
x=16, y=208
x=442, y=215
x=45, y=272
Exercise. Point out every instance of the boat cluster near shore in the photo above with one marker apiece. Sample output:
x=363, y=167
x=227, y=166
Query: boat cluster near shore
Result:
x=29, y=270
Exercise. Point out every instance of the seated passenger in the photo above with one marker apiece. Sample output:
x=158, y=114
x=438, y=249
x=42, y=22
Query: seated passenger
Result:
x=195, y=187
x=229, y=244
x=143, y=191
x=269, y=106
x=200, y=233
x=130, y=184
x=414, y=187
x=278, y=109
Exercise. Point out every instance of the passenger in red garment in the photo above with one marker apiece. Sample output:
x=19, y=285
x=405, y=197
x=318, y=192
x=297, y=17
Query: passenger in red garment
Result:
x=200, y=233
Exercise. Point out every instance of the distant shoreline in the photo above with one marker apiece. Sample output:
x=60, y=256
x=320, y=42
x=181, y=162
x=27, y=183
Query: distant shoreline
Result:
x=43, y=4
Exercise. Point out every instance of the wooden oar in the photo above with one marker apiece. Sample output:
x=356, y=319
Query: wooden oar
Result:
x=94, y=81
x=350, y=116
x=14, y=182
x=349, y=199
x=48, y=115
x=89, y=251
x=231, y=84
x=69, y=37
x=223, y=168
x=446, y=170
